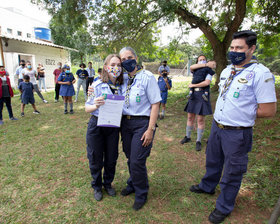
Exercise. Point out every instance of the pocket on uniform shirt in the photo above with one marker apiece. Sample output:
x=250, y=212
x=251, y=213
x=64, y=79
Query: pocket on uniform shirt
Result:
x=138, y=94
x=238, y=164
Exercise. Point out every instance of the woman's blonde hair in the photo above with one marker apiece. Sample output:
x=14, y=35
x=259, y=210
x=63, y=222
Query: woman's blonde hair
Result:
x=104, y=75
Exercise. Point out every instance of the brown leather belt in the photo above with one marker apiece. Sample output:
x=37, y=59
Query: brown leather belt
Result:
x=225, y=127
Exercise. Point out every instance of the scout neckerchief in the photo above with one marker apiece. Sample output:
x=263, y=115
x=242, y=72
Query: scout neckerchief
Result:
x=114, y=88
x=129, y=84
x=234, y=73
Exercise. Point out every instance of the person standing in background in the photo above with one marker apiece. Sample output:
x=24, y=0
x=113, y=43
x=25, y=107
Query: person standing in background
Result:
x=82, y=76
x=41, y=76
x=91, y=74
x=56, y=74
x=32, y=74
x=163, y=67
x=19, y=70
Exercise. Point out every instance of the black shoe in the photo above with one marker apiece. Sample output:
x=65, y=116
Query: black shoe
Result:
x=65, y=112
x=22, y=114
x=198, y=146
x=185, y=140
x=196, y=189
x=138, y=205
x=71, y=112
x=110, y=191
x=126, y=192
x=205, y=97
x=217, y=217
x=98, y=195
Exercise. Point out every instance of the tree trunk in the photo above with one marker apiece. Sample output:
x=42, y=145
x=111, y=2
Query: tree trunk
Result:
x=220, y=57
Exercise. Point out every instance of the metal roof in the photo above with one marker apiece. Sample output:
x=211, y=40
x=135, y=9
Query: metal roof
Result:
x=36, y=41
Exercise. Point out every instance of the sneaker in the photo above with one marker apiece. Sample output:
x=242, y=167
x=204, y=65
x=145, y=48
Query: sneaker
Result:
x=22, y=114
x=36, y=112
x=65, y=112
x=217, y=217
x=110, y=191
x=185, y=140
x=13, y=119
x=45, y=101
x=138, y=205
x=198, y=146
x=75, y=101
x=1, y=122
x=55, y=101
x=126, y=192
x=205, y=97
x=98, y=195
x=196, y=189
x=71, y=111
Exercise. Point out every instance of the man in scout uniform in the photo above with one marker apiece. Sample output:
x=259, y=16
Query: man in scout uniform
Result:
x=247, y=91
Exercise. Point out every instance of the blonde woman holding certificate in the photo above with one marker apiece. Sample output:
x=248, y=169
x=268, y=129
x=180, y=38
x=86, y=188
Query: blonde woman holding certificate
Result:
x=102, y=142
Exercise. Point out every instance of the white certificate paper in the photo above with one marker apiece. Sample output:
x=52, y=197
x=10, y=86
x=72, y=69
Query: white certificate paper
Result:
x=110, y=114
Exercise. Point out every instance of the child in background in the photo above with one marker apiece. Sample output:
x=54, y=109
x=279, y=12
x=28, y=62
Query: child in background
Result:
x=99, y=74
x=26, y=88
x=199, y=75
x=66, y=79
x=6, y=93
x=164, y=84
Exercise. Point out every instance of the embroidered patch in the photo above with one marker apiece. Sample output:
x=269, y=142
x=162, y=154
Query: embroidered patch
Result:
x=242, y=80
x=270, y=79
x=250, y=75
x=236, y=94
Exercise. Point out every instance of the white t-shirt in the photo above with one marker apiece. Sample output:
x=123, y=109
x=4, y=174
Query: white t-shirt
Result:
x=31, y=74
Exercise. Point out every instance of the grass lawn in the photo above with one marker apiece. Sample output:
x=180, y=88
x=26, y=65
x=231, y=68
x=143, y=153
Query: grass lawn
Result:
x=45, y=176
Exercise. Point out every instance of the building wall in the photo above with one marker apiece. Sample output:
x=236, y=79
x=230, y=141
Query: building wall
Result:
x=48, y=56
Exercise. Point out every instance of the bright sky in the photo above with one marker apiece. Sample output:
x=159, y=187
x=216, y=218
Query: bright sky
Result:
x=27, y=8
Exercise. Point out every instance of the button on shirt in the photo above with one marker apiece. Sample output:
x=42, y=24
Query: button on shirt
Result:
x=91, y=72
x=99, y=88
x=161, y=68
x=250, y=87
x=162, y=84
x=144, y=92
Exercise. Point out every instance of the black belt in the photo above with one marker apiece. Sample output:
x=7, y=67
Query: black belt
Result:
x=129, y=117
x=93, y=116
x=221, y=126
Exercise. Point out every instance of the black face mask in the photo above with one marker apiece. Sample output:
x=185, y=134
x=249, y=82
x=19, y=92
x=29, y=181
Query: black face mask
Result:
x=164, y=65
x=22, y=65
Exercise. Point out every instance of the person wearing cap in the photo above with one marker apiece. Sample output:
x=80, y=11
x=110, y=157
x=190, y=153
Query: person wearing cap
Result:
x=138, y=125
x=66, y=79
x=82, y=75
x=246, y=92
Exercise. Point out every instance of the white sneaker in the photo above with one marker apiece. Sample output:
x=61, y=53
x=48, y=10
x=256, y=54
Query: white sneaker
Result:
x=56, y=101
x=75, y=101
x=45, y=101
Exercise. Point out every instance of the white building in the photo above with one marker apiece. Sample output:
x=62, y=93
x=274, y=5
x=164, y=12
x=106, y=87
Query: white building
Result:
x=17, y=41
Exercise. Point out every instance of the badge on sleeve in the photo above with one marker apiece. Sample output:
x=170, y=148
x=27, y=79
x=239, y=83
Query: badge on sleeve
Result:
x=250, y=75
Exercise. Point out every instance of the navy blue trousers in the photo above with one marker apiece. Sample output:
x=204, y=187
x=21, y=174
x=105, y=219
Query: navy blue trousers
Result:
x=227, y=151
x=136, y=154
x=102, y=151
x=7, y=101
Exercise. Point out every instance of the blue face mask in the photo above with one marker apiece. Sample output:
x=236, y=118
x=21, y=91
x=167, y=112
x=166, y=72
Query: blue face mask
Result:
x=129, y=65
x=29, y=66
x=236, y=57
x=67, y=71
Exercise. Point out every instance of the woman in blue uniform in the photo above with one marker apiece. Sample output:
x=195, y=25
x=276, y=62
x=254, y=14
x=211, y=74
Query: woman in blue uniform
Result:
x=197, y=105
x=102, y=142
x=141, y=107
x=66, y=79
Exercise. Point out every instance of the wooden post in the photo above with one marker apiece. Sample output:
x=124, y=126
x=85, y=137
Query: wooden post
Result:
x=275, y=214
x=1, y=49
